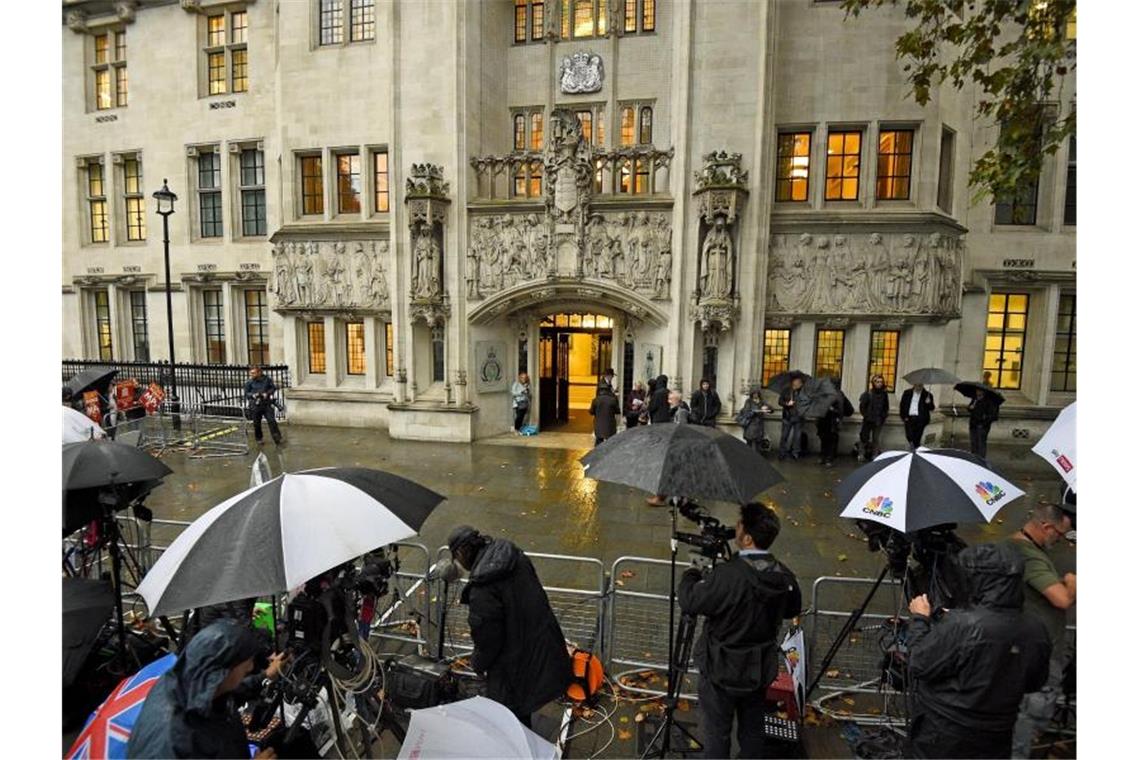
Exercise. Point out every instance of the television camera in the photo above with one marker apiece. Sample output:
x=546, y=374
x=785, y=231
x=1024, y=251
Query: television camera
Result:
x=712, y=541
x=926, y=560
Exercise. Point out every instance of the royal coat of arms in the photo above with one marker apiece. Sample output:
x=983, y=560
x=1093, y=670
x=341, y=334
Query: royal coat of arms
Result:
x=581, y=72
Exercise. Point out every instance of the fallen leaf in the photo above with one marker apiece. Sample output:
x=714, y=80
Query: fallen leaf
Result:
x=624, y=719
x=627, y=574
x=625, y=735
x=639, y=717
x=849, y=701
x=1000, y=521
x=833, y=673
x=842, y=557
x=684, y=705
x=693, y=744
x=619, y=583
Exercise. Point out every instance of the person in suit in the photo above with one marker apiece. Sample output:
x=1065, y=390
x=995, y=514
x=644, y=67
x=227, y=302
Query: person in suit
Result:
x=915, y=409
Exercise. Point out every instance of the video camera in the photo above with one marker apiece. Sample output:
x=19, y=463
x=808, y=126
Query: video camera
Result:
x=934, y=571
x=335, y=600
x=712, y=541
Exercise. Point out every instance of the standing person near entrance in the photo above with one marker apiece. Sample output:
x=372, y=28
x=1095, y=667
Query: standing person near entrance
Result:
x=875, y=406
x=751, y=418
x=792, y=401
x=1048, y=596
x=828, y=427
x=704, y=405
x=659, y=401
x=259, y=392
x=520, y=401
x=744, y=602
x=635, y=405
x=983, y=413
x=604, y=409
x=679, y=411
x=611, y=379
x=519, y=645
x=915, y=408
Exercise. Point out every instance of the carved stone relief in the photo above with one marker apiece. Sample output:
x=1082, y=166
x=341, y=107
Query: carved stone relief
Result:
x=581, y=72
x=865, y=274
x=332, y=275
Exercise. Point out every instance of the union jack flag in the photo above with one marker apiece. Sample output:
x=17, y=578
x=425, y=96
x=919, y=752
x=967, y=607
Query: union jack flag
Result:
x=109, y=728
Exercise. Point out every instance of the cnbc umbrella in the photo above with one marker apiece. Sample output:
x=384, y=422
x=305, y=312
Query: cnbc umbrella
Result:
x=909, y=492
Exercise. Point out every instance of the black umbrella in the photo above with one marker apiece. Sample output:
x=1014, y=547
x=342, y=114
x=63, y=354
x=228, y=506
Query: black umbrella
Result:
x=968, y=389
x=819, y=394
x=692, y=461
x=87, y=606
x=92, y=378
x=101, y=462
x=930, y=376
x=275, y=536
x=779, y=383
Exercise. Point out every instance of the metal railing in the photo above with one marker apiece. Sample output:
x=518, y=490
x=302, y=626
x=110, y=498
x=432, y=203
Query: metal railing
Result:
x=217, y=389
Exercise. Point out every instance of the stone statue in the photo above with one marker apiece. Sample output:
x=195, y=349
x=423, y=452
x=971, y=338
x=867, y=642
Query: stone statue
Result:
x=664, y=274
x=377, y=281
x=473, y=253
x=284, y=286
x=716, y=262
x=426, y=255
x=304, y=273
x=899, y=279
x=841, y=291
x=618, y=262
x=597, y=242
x=880, y=270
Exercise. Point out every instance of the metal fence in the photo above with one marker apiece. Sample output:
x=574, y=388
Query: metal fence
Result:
x=214, y=389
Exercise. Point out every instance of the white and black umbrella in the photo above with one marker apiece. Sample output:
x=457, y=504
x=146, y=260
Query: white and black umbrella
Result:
x=78, y=427
x=276, y=536
x=909, y=492
x=1058, y=446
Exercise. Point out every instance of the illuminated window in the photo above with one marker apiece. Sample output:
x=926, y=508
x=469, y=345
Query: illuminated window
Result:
x=528, y=135
x=97, y=203
x=316, y=335
x=214, y=313
x=586, y=120
x=536, y=131
x=331, y=22
x=892, y=182
x=520, y=20
x=139, y=335
x=227, y=58
x=829, y=354
x=348, y=183
x=631, y=16
x=584, y=18
x=843, y=166
x=625, y=173
x=592, y=119
x=209, y=194
x=389, y=355
x=216, y=73
x=537, y=18
x=884, y=357
x=256, y=327
x=946, y=171
x=793, y=159
x=1071, y=183
x=133, y=199
x=354, y=344
x=648, y=15
x=109, y=69
x=777, y=350
x=239, y=70
x=103, y=325
x=216, y=30
x=628, y=115
x=312, y=186
x=240, y=30
x=362, y=20
x=1005, y=338
x=380, y=180
x=252, y=189
x=641, y=176
x=645, y=126
x=520, y=131
x=1065, y=346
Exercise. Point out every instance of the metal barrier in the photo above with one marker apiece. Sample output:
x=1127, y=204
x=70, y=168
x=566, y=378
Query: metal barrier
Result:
x=575, y=586
x=409, y=596
x=214, y=435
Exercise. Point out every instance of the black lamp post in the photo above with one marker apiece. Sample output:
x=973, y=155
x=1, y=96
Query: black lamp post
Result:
x=165, y=207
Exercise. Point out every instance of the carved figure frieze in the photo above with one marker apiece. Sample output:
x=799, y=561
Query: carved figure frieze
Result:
x=331, y=275
x=876, y=273
x=581, y=72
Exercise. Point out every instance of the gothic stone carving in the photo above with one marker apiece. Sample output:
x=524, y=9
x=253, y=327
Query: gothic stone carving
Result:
x=581, y=72
x=567, y=163
x=633, y=250
x=865, y=274
x=322, y=274
x=721, y=190
x=427, y=201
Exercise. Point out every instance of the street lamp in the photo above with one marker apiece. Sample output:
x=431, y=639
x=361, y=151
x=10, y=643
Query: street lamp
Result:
x=164, y=201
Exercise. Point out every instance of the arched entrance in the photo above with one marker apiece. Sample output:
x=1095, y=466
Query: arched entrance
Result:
x=575, y=349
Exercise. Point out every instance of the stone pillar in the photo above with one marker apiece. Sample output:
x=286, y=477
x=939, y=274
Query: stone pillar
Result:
x=426, y=203
x=332, y=353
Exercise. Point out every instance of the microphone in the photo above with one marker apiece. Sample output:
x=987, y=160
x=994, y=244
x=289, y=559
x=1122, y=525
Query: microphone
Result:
x=448, y=571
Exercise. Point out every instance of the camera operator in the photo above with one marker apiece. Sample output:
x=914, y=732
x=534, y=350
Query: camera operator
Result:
x=971, y=666
x=744, y=601
x=519, y=645
x=192, y=711
x=259, y=392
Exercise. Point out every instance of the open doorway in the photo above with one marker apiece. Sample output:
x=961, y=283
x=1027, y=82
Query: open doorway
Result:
x=574, y=351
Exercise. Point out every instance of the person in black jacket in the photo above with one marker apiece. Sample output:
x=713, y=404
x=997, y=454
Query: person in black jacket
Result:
x=791, y=401
x=827, y=427
x=519, y=645
x=875, y=406
x=259, y=392
x=192, y=710
x=971, y=666
x=604, y=409
x=704, y=405
x=915, y=407
x=983, y=412
x=751, y=418
x=658, y=407
x=744, y=602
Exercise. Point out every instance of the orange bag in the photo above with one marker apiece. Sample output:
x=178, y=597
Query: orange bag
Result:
x=588, y=676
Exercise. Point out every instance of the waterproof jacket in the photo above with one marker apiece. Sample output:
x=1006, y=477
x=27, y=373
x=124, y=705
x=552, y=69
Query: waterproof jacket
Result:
x=744, y=602
x=680, y=414
x=704, y=407
x=260, y=391
x=604, y=408
x=751, y=419
x=875, y=405
x=518, y=642
x=925, y=406
x=659, y=402
x=983, y=411
x=971, y=667
x=832, y=420
x=180, y=717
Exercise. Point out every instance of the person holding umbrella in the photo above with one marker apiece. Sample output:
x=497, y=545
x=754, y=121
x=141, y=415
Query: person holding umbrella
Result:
x=792, y=402
x=604, y=410
x=875, y=406
x=983, y=413
x=915, y=407
x=751, y=418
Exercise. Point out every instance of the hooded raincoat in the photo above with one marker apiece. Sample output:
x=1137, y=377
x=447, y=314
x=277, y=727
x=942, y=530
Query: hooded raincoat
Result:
x=658, y=407
x=518, y=642
x=181, y=717
x=971, y=668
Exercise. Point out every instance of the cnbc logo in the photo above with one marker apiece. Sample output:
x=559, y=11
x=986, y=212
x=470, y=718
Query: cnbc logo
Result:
x=990, y=493
x=879, y=506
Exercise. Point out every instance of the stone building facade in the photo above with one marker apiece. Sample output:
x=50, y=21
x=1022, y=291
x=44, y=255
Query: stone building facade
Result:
x=398, y=198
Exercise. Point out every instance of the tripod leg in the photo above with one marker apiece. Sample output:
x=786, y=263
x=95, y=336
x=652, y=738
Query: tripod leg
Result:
x=848, y=626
